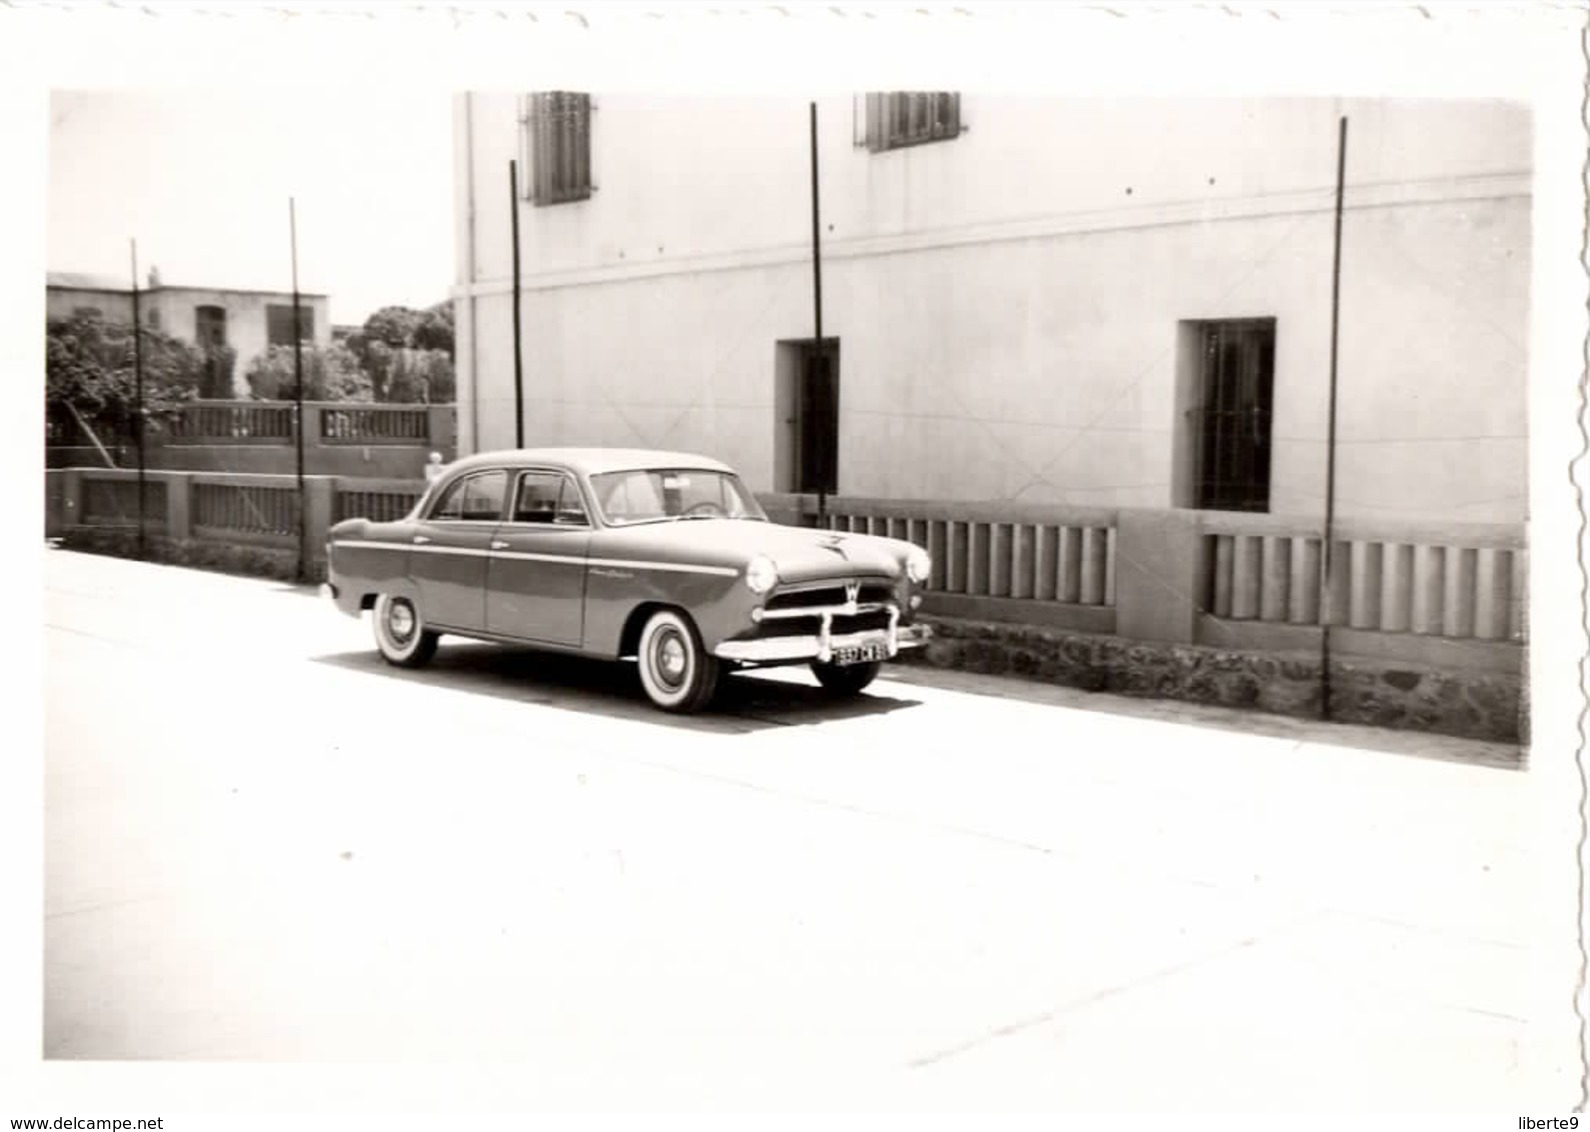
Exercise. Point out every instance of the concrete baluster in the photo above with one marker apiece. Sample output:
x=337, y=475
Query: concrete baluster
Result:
x=1492, y=583
x=937, y=549
x=999, y=559
x=1275, y=578
x=1396, y=587
x=1111, y=540
x=1225, y=557
x=959, y=551
x=1457, y=613
x=1246, y=576
x=1023, y=561
x=977, y=560
x=1070, y=586
x=1047, y=566
x=1517, y=611
x=1094, y=559
x=1429, y=582
x=1367, y=565
x=1303, y=591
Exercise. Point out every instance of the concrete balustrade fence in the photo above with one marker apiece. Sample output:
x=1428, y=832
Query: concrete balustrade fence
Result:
x=259, y=437
x=1445, y=596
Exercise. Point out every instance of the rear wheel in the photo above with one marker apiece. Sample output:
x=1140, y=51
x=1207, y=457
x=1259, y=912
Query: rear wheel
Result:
x=400, y=635
x=845, y=679
x=676, y=671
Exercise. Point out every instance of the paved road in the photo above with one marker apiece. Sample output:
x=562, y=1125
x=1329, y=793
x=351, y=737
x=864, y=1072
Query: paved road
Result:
x=262, y=843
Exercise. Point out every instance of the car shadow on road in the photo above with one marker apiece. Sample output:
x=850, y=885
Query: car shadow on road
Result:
x=745, y=703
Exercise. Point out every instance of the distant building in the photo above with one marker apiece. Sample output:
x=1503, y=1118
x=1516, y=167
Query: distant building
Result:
x=247, y=321
x=1120, y=302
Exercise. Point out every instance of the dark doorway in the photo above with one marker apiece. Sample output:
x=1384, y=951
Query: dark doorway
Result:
x=1234, y=415
x=806, y=448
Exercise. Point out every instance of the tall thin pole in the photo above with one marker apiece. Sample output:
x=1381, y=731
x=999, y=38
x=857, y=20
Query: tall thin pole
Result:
x=819, y=358
x=1326, y=573
x=138, y=385
x=298, y=389
x=518, y=352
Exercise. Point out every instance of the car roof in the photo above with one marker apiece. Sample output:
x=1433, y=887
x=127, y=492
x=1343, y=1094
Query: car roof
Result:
x=593, y=461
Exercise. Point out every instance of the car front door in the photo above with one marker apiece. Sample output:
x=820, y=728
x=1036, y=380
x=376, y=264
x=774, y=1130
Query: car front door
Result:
x=451, y=549
x=535, y=578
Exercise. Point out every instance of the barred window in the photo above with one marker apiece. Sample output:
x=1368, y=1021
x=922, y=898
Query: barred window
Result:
x=894, y=119
x=555, y=146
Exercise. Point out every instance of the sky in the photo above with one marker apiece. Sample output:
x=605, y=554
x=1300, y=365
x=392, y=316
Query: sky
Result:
x=202, y=179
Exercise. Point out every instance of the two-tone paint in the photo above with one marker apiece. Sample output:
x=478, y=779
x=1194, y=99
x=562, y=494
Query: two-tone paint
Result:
x=589, y=586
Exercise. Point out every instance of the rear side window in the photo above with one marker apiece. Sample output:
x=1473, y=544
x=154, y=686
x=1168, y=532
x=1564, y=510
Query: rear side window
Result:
x=476, y=498
x=548, y=497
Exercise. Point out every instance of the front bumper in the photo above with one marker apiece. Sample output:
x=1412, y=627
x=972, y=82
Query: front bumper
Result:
x=820, y=646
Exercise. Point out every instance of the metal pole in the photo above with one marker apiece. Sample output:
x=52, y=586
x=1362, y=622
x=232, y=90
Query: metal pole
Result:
x=1326, y=572
x=820, y=357
x=138, y=385
x=518, y=352
x=298, y=381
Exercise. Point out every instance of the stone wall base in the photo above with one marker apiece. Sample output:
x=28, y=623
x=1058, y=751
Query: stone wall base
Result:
x=255, y=561
x=1473, y=705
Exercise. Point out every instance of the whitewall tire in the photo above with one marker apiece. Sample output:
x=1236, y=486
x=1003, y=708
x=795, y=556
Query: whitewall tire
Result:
x=676, y=671
x=400, y=634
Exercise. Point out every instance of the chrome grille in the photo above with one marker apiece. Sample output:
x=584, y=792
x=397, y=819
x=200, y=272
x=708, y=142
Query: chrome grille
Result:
x=830, y=594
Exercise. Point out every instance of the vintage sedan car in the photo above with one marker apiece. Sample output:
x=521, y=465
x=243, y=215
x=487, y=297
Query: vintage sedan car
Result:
x=662, y=558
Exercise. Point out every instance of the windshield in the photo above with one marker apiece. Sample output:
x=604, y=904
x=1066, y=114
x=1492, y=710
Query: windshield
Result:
x=649, y=495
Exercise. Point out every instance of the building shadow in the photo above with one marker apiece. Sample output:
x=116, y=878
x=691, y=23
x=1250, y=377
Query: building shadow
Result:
x=745, y=703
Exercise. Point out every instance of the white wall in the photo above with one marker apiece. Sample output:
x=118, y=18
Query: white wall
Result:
x=1007, y=312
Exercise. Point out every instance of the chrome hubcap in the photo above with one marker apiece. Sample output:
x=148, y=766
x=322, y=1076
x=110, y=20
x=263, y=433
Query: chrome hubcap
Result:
x=400, y=619
x=671, y=659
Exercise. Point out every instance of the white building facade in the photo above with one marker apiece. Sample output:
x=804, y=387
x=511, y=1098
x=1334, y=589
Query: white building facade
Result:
x=1115, y=303
x=250, y=322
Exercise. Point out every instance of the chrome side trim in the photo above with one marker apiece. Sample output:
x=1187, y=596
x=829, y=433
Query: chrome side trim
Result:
x=635, y=564
x=673, y=567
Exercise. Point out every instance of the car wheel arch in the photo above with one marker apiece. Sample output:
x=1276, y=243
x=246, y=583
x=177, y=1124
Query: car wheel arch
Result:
x=635, y=624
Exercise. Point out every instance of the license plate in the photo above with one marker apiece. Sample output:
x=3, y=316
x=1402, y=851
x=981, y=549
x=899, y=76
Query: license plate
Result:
x=861, y=654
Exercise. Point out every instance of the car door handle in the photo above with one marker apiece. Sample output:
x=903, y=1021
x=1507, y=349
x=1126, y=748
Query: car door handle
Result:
x=498, y=544
x=421, y=539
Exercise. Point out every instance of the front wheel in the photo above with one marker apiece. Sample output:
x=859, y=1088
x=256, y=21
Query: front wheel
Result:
x=676, y=671
x=400, y=636
x=845, y=679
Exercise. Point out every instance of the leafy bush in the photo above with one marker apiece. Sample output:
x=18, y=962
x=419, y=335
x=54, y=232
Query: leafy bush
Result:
x=331, y=373
x=90, y=368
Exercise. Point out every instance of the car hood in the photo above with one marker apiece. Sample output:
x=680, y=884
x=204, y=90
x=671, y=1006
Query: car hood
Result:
x=801, y=553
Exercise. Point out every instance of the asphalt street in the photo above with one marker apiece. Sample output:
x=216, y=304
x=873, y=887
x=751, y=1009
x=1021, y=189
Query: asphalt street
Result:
x=263, y=844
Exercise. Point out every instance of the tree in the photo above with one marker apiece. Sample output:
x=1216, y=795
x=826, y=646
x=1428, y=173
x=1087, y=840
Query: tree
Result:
x=435, y=329
x=394, y=326
x=407, y=355
x=332, y=373
x=90, y=370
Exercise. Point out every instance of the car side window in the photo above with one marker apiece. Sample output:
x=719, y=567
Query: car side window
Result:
x=548, y=497
x=483, y=496
x=451, y=504
x=571, y=508
x=476, y=498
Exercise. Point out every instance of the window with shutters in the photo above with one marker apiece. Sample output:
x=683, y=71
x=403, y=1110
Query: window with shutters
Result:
x=555, y=147
x=895, y=119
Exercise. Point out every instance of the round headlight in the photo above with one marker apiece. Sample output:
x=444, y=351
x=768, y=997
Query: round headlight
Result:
x=918, y=566
x=761, y=574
